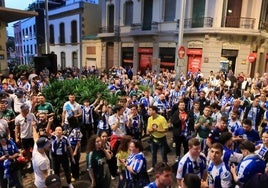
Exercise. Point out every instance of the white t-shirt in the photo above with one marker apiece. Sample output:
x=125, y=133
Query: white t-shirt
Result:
x=121, y=130
x=3, y=125
x=17, y=102
x=40, y=163
x=71, y=109
x=25, y=123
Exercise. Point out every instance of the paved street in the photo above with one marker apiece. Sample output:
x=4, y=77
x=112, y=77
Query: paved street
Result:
x=29, y=178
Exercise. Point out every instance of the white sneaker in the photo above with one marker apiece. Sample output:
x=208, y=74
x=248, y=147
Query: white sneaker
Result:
x=150, y=170
x=71, y=185
x=112, y=177
x=174, y=145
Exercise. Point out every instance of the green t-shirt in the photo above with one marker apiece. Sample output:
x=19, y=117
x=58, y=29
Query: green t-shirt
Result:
x=46, y=108
x=204, y=130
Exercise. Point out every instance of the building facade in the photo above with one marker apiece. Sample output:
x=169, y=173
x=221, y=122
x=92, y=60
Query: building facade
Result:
x=67, y=26
x=8, y=15
x=217, y=35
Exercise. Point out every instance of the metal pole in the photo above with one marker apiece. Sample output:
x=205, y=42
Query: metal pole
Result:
x=47, y=29
x=180, y=40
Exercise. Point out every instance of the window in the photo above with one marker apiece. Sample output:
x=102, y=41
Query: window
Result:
x=75, y=60
x=34, y=29
x=111, y=19
x=233, y=13
x=74, y=31
x=30, y=29
x=91, y=50
x=147, y=15
x=27, y=32
x=62, y=34
x=169, y=10
x=198, y=13
x=128, y=13
x=51, y=34
x=63, y=60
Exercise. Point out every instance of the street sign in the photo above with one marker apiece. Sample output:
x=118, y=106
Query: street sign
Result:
x=252, y=57
x=181, y=52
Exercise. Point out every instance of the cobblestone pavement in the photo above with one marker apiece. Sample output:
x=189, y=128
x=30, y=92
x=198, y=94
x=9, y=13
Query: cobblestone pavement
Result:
x=28, y=178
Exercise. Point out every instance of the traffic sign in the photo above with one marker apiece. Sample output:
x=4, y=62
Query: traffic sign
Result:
x=181, y=52
x=252, y=57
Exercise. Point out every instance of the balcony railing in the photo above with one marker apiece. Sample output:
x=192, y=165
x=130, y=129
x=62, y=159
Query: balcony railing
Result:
x=264, y=25
x=197, y=22
x=110, y=29
x=238, y=22
x=135, y=27
x=144, y=27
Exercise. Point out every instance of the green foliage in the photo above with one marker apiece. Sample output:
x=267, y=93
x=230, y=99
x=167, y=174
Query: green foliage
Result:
x=22, y=69
x=143, y=88
x=57, y=92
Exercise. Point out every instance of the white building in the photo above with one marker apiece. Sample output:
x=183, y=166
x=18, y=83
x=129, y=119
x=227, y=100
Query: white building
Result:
x=67, y=26
x=218, y=34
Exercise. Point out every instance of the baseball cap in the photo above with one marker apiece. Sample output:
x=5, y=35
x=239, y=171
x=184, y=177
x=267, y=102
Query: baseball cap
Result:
x=42, y=142
x=19, y=92
x=53, y=180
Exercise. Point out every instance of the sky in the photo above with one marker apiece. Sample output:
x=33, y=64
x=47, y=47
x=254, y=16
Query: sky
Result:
x=17, y=4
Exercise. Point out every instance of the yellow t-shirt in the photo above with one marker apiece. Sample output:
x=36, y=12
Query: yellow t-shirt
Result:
x=121, y=155
x=160, y=123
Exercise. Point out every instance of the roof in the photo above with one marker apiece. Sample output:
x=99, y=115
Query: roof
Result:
x=90, y=37
x=10, y=15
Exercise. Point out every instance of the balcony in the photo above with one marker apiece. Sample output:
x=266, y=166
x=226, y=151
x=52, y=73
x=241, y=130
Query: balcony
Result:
x=145, y=27
x=197, y=22
x=110, y=29
x=264, y=25
x=238, y=22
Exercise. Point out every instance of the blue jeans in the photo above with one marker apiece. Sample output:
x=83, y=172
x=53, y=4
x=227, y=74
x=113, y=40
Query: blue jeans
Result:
x=162, y=145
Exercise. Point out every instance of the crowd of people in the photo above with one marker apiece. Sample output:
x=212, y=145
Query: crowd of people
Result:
x=219, y=119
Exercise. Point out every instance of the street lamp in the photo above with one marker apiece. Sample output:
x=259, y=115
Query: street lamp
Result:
x=179, y=61
x=46, y=28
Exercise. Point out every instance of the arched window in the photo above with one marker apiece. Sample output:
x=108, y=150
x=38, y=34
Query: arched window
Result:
x=128, y=18
x=74, y=31
x=75, y=59
x=62, y=33
x=51, y=34
x=63, y=60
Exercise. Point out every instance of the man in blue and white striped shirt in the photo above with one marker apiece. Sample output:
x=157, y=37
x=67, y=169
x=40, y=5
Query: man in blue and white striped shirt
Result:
x=192, y=162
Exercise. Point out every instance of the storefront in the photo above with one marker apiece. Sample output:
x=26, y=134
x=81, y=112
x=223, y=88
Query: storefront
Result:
x=145, y=62
x=194, y=59
x=167, y=57
x=127, y=57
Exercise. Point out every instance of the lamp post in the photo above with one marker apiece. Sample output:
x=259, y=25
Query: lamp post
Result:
x=47, y=29
x=179, y=60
